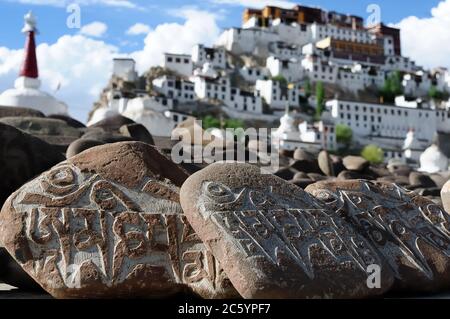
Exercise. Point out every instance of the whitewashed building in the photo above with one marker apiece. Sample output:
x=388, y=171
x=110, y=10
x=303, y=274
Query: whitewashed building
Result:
x=179, y=63
x=217, y=57
x=278, y=96
x=291, y=69
x=125, y=69
x=175, y=88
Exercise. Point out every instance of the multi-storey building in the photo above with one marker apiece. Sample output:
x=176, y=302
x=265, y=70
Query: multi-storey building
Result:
x=216, y=57
x=175, y=88
x=179, y=63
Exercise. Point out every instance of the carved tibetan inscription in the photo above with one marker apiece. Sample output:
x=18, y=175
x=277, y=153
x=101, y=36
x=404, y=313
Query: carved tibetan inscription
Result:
x=410, y=231
x=81, y=236
x=276, y=241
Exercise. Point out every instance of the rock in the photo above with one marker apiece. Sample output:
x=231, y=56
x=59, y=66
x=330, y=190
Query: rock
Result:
x=325, y=163
x=113, y=123
x=422, y=180
x=22, y=157
x=81, y=145
x=286, y=153
x=69, y=121
x=346, y=175
x=137, y=132
x=316, y=177
x=355, y=163
x=273, y=239
x=107, y=223
x=440, y=179
x=305, y=166
x=445, y=196
x=286, y=173
x=105, y=137
x=398, y=167
x=302, y=182
x=300, y=175
x=302, y=155
x=410, y=231
x=55, y=132
x=9, y=111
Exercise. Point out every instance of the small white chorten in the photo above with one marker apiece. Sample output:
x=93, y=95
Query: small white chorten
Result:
x=26, y=91
x=433, y=160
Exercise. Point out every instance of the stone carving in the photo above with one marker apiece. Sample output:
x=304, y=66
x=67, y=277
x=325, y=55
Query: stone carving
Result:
x=274, y=240
x=410, y=231
x=81, y=235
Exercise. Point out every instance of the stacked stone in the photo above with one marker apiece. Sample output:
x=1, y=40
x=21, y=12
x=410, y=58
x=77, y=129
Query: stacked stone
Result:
x=118, y=218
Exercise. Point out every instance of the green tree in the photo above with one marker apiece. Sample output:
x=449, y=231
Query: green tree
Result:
x=210, y=122
x=373, y=154
x=392, y=87
x=308, y=89
x=320, y=99
x=344, y=134
x=280, y=79
x=234, y=123
x=435, y=94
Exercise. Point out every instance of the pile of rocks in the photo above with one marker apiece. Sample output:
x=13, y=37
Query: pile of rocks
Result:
x=117, y=218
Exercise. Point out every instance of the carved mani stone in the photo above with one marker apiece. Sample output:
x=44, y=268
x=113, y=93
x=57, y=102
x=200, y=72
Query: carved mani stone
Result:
x=410, y=231
x=108, y=223
x=274, y=240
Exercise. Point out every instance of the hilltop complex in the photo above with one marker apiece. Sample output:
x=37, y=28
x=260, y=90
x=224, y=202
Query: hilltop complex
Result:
x=276, y=65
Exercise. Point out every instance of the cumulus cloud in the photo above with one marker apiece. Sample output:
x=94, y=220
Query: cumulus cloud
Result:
x=426, y=40
x=257, y=3
x=199, y=27
x=138, y=29
x=80, y=65
x=95, y=29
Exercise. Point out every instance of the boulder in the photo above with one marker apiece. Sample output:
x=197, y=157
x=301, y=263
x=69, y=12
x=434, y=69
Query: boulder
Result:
x=22, y=157
x=408, y=230
x=9, y=111
x=355, y=163
x=273, y=240
x=81, y=145
x=137, y=132
x=107, y=223
x=113, y=123
x=69, y=121
x=325, y=163
x=422, y=180
x=99, y=134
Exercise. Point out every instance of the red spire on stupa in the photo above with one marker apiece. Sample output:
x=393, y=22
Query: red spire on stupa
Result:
x=30, y=67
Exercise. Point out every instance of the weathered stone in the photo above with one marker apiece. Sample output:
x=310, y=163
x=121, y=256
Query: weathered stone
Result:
x=69, y=121
x=53, y=131
x=113, y=123
x=398, y=168
x=108, y=223
x=445, y=196
x=286, y=153
x=346, y=175
x=355, y=163
x=22, y=157
x=286, y=173
x=305, y=166
x=316, y=177
x=420, y=179
x=81, y=145
x=325, y=163
x=273, y=239
x=8, y=111
x=137, y=132
x=410, y=231
x=302, y=155
x=300, y=175
x=302, y=182
x=99, y=134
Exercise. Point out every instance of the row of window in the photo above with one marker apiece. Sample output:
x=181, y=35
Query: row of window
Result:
x=392, y=111
x=178, y=60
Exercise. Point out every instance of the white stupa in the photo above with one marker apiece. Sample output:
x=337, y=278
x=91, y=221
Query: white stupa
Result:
x=26, y=91
x=433, y=160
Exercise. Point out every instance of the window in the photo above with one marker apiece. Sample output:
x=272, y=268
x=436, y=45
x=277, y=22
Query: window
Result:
x=186, y=61
x=169, y=59
x=178, y=60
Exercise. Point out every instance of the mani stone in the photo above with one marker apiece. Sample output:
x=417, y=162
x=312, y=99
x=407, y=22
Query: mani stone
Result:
x=107, y=223
x=355, y=163
x=137, y=132
x=274, y=240
x=22, y=157
x=69, y=121
x=8, y=111
x=445, y=196
x=411, y=232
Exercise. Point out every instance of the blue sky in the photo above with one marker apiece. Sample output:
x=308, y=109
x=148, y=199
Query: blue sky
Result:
x=79, y=61
x=52, y=18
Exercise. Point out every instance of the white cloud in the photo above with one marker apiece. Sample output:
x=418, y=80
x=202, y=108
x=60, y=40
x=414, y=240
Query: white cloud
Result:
x=426, y=40
x=257, y=3
x=81, y=65
x=199, y=27
x=138, y=29
x=64, y=3
x=95, y=29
